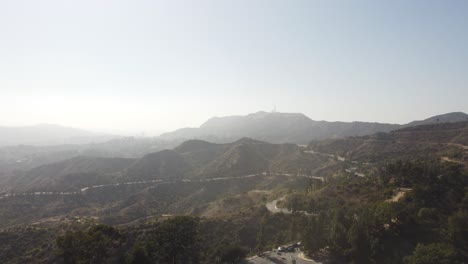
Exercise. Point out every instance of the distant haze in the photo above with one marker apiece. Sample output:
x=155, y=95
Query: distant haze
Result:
x=130, y=67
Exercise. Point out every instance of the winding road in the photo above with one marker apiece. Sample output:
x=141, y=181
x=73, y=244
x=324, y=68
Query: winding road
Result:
x=339, y=158
x=84, y=190
x=273, y=208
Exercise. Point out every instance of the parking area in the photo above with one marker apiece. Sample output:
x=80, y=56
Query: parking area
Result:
x=280, y=258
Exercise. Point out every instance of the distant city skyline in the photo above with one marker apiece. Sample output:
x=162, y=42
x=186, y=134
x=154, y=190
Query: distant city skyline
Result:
x=153, y=66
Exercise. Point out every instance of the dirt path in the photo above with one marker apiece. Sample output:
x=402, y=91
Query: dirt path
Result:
x=458, y=145
x=451, y=160
x=273, y=208
x=401, y=192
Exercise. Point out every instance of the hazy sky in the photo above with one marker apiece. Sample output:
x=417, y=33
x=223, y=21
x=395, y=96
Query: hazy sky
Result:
x=134, y=66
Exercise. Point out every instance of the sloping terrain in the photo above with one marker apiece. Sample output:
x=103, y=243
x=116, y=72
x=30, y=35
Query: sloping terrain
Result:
x=436, y=140
x=166, y=164
x=201, y=159
x=187, y=179
x=446, y=118
x=71, y=174
x=232, y=183
x=46, y=134
x=125, y=203
x=290, y=128
x=25, y=157
x=194, y=159
x=275, y=128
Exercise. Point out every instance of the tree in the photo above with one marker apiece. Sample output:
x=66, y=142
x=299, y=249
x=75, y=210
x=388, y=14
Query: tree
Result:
x=435, y=253
x=174, y=241
x=312, y=235
x=89, y=246
x=138, y=255
x=359, y=241
x=261, y=235
x=229, y=254
x=458, y=231
x=337, y=236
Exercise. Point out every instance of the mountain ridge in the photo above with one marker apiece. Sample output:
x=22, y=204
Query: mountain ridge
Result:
x=49, y=134
x=290, y=128
x=444, y=118
x=193, y=159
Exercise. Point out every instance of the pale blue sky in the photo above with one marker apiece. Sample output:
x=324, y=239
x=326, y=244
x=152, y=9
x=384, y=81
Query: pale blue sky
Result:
x=133, y=66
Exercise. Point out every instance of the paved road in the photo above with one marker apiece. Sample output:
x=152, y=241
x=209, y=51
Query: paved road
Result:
x=339, y=158
x=86, y=189
x=273, y=257
x=451, y=160
x=401, y=192
x=273, y=208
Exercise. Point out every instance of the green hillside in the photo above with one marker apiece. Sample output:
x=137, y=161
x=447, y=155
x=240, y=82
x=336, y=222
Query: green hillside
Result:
x=398, y=197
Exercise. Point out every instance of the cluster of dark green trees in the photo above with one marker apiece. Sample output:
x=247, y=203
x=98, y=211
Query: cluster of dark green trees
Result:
x=176, y=240
x=94, y=245
x=429, y=225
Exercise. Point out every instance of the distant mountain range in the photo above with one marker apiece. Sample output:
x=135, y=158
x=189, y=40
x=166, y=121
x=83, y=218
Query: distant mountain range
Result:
x=198, y=159
x=192, y=172
x=270, y=127
x=291, y=128
x=192, y=159
x=46, y=134
x=201, y=159
x=446, y=118
x=429, y=140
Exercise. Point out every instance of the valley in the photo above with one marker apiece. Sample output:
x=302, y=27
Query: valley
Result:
x=233, y=132
x=264, y=194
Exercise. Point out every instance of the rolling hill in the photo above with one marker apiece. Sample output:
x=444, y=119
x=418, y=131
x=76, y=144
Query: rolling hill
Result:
x=193, y=159
x=46, y=134
x=200, y=178
x=201, y=159
x=71, y=174
x=449, y=140
x=290, y=128
x=446, y=118
x=198, y=159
